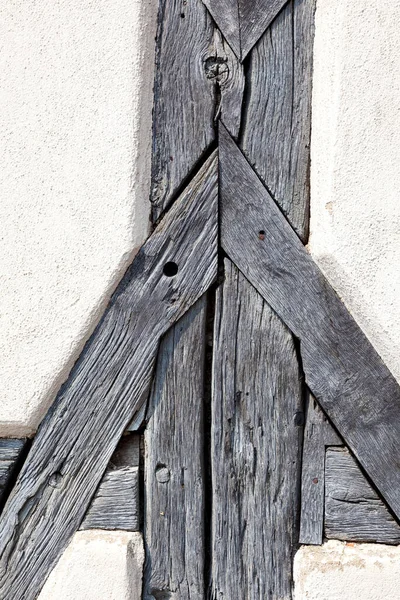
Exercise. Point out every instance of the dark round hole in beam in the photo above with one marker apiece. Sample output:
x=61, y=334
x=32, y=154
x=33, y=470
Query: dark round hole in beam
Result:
x=170, y=269
x=261, y=234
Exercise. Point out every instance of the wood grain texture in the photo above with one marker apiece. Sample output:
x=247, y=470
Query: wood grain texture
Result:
x=10, y=452
x=242, y=22
x=255, y=18
x=318, y=434
x=256, y=446
x=174, y=478
x=342, y=369
x=353, y=510
x=116, y=504
x=276, y=126
x=184, y=98
x=227, y=72
x=106, y=388
x=226, y=15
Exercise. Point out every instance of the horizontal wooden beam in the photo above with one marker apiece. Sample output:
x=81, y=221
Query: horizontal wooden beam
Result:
x=342, y=369
x=106, y=387
x=353, y=510
x=116, y=503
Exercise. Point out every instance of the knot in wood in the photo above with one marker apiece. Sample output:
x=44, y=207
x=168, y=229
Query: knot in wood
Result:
x=55, y=480
x=162, y=474
x=216, y=68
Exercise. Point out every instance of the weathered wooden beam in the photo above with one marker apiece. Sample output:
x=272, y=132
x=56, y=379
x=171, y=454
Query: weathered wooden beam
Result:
x=116, y=503
x=353, y=510
x=276, y=126
x=242, y=22
x=257, y=430
x=106, y=388
x=197, y=79
x=318, y=434
x=174, y=473
x=342, y=369
x=184, y=98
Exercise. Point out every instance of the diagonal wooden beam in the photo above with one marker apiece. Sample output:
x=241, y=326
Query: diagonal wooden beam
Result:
x=342, y=369
x=242, y=22
x=106, y=387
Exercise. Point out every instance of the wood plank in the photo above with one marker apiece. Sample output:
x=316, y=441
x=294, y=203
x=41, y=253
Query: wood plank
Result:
x=116, y=503
x=226, y=15
x=255, y=18
x=106, y=387
x=318, y=434
x=11, y=450
x=353, y=510
x=184, y=98
x=242, y=22
x=174, y=475
x=342, y=369
x=277, y=120
x=256, y=446
x=227, y=72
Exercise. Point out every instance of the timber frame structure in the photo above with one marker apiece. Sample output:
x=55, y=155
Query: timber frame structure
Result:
x=224, y=348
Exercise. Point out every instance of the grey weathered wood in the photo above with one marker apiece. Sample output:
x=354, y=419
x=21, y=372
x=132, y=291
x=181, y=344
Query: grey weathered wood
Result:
x=115, y=504
x=353, y=510
x=255, y=17
x=242, y=22
x=342, y=369
x=106, y=387
x=174, y=475
x=277, y=120
x=10, y=453
x=256, y=446
x=318, y=434
x=227, y=72
x=197, y=76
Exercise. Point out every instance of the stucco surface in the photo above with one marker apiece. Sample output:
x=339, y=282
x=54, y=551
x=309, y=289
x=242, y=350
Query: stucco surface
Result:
x=355, y=151
x=75, y=101
x=98, y=565
x=340, y=571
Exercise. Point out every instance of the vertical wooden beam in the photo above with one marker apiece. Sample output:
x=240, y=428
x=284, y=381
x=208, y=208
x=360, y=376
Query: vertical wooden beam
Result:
x=256, y=446
x=276, y=126
x=318, y=434
x=174, y=474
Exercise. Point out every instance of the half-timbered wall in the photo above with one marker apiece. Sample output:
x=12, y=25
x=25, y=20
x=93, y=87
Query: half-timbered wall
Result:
x=75, y=182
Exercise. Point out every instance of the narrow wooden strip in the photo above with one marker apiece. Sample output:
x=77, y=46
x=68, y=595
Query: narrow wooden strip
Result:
x=255, y=18
x=227, y=72
x=174, y=477
x=342, y=369
x=106, y=388
x=115, y=504
x=276, y=126
x=184, y=97
x=256, y=446
x=318, y=434
x=353, y=510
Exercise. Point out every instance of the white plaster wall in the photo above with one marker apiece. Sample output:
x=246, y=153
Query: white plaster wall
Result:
x=355, y=232
x=355, y=173
x=98, y=565
x=75, y=103
x=340, y=571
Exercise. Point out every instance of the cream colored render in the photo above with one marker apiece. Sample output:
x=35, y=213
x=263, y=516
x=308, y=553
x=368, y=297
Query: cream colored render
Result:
x=75, y=103
x=355, y=232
